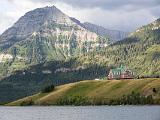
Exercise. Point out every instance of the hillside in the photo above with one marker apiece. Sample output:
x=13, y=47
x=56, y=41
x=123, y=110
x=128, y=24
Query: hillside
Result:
x=114, y=35
x=32, y=79
x=97, y=92
x=140, y=52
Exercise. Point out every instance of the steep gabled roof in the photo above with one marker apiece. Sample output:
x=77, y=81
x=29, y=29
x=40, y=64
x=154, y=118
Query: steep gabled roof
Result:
x=120, y=69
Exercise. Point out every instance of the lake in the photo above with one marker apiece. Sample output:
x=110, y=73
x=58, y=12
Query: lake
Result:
x=81, y=113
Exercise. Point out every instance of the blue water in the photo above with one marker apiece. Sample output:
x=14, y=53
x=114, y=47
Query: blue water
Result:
x=81, y=113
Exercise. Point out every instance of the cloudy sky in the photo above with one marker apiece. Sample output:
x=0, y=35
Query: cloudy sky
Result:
x=125, y=15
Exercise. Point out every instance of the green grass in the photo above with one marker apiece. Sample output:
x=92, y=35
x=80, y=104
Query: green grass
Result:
x=100, y=90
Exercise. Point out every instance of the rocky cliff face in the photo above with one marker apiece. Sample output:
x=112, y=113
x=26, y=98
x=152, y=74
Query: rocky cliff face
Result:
x=47, y=33
x=114, y=35
x=33, y=21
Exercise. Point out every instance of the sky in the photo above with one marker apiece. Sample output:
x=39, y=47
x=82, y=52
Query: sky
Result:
x=124, y=15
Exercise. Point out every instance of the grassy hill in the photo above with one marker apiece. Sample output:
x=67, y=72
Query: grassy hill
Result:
x=98, y=92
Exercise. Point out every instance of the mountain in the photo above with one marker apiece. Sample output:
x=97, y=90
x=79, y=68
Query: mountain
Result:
x=46, y=34
x=114, y=35
x=45, y=46
x=139, y=52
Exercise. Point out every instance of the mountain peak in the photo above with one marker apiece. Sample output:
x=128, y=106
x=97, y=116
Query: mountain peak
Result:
x=33, y=21
x=45, y=9
x=47, y=33
x=44, y=14
x=48, y=26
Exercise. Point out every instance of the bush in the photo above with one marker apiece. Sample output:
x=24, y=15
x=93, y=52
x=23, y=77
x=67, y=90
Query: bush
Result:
x=73, y=100
x=47, y=89
x=27, y=103
x=154, y=90
x=132, y=99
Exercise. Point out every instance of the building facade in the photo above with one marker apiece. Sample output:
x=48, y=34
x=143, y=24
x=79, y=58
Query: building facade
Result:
x=120, y=73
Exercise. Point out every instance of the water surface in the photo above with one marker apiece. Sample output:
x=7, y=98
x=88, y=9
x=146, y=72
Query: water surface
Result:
x=81, y=113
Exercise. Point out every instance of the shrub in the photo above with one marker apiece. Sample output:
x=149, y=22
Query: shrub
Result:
x=132, y=99
x=27, y=102
x=73, y=100
x=154, y=90
x=47, y=89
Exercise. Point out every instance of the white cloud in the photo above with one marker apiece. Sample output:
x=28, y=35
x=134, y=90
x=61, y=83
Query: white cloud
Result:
x=122, y=20
x=117, y=19
x=125, y=17
x=108, y=4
